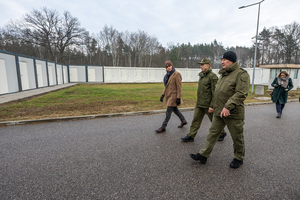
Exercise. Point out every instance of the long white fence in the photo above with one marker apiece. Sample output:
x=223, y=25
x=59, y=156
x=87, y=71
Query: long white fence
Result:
x=19, y=73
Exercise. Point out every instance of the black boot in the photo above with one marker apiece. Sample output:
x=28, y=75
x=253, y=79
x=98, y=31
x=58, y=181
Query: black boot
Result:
x=199, y=157
x=187, y=139
x=279, y=115
x=236, y=163
x=221, y=138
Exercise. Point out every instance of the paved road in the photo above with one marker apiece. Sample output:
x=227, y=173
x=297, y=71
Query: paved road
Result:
x=122, y=158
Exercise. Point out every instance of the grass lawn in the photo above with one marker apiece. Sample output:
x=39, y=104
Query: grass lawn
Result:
x=92, y=99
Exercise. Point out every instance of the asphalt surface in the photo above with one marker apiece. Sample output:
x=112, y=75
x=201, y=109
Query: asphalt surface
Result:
x=123, y=158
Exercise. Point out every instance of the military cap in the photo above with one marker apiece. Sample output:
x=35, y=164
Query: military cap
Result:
x=204, y=61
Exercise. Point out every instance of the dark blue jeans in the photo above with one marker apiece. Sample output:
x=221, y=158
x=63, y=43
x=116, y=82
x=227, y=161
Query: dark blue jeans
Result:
x=168, y=116
x=279, y=107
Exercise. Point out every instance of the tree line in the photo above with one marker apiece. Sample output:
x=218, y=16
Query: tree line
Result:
x=48, y=35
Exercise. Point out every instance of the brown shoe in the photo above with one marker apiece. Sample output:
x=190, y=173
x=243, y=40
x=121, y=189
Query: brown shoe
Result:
x=160, y=130
x=182, y=124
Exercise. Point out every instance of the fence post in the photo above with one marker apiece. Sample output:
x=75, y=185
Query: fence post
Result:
x=103, y=73
x=86, y=74
x=35, y=74
x=62, y=74
x=56, y=75
x=68, y=69
x=47, y=73
x=18, y=73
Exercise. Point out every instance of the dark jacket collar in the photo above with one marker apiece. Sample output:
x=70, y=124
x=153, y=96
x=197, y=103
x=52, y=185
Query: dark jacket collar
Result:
x=229, y=69
x=203, y=74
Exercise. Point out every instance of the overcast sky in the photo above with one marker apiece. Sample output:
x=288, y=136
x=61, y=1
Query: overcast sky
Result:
x=170, y=21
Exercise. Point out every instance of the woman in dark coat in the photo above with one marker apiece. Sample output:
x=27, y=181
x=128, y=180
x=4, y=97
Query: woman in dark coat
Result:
x=282, y=84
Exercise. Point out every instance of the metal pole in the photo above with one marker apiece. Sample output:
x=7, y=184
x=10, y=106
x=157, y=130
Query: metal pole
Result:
x=254, y=62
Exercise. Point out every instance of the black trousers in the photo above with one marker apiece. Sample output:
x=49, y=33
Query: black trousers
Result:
x=279, y=107
x=168, y=116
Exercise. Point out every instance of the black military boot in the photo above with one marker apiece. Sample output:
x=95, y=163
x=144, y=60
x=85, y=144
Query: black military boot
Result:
x=236, y=163
x=187, y=139
x=197, y=157
x=221, y=138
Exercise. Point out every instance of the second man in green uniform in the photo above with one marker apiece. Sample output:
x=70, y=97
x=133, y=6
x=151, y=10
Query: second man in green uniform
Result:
x=205, y=98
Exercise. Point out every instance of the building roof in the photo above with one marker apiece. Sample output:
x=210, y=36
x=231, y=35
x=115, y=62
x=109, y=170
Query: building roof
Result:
x=281, y=66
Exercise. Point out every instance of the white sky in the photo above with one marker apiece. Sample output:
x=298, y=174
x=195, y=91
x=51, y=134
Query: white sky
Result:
x=170, y=21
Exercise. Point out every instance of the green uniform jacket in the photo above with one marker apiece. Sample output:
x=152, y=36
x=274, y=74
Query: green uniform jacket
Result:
x=231, y=91
x=279, y=93
x=206, y=88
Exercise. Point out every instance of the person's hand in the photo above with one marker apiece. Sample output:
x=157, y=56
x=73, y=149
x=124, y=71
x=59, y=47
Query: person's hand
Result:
x=177, y=101
x=275, y=85
x=210, y=110
x=225, y=113
x=162, y=98
x=286, y=89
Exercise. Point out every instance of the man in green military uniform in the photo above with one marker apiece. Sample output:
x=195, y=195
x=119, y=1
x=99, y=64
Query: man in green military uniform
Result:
x=230, y=93
x=205, y=98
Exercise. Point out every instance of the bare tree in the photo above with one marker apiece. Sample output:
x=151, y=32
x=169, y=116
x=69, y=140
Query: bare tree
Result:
x=68, y=33
x=109, y=37
x=45, y=28
x=291, y=40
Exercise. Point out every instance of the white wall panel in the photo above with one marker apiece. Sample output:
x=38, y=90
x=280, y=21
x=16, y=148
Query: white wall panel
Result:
x=24, y=75
x=124, y=75
x=115, y=73
x=96, y=74
x=27, y=73
x=52, y=74
x=265, y=76
x=145, y=76
x=59, y=74
x=151, y=75
x=73, y=74
x=3, y=78
x=138, y=75
x=107, y=75
x=79, y=75
x=130, y=75
x=112, y=74
x=41, y=70
x=11, y=72
x=92, y=75
x=159, y=75
x=65, y=71
x=39, y=73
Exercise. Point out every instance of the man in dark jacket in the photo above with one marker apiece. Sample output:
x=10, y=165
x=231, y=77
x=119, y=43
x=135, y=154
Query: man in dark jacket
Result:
x=205, y=98
x=230, y=93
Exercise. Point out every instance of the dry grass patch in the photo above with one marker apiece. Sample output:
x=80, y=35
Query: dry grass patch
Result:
x=94, y=99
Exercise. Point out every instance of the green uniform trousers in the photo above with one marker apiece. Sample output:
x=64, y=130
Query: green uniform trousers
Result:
x=197, y=120
x=235, y=127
